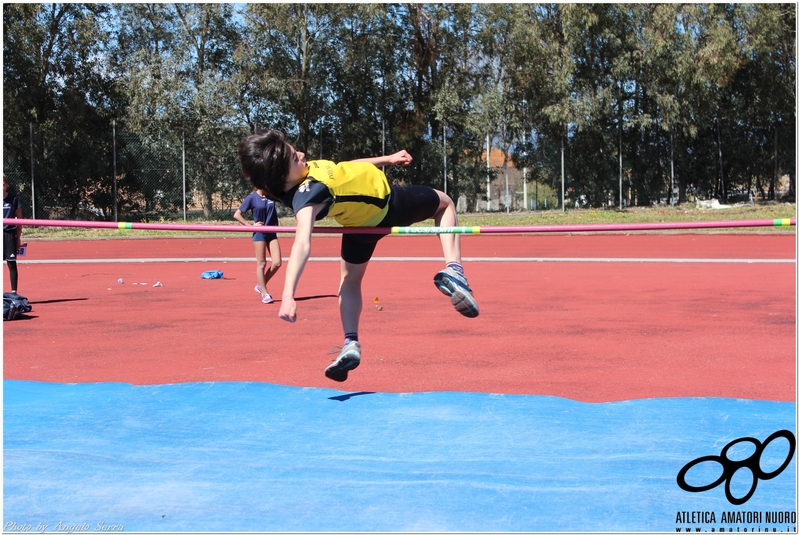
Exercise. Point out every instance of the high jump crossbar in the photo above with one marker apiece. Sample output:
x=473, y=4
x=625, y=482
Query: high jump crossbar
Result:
x=685, y=225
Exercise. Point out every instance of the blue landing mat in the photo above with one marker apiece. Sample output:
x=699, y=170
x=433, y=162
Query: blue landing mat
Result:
x=262, y=457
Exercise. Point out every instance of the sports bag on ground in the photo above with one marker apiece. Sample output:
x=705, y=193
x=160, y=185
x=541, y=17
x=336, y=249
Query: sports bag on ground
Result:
x=14, y=306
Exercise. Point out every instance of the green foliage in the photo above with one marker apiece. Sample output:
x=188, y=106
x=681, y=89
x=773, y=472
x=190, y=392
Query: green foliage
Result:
x=619, y=92
x=53, y=78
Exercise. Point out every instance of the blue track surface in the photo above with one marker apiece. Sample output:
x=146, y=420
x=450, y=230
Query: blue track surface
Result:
x=262, y=457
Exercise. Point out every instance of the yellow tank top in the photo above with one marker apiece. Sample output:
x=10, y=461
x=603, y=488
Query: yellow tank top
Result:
x=360, y=191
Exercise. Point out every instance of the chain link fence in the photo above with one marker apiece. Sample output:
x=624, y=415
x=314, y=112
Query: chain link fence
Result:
x=159, y=174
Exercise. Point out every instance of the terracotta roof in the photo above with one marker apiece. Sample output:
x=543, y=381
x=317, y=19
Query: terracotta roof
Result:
x=497, y=158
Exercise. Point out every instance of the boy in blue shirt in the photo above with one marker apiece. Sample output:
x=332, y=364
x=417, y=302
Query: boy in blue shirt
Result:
x=263, y=214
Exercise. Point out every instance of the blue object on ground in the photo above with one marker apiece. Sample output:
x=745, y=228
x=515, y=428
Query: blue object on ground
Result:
x=212, y=274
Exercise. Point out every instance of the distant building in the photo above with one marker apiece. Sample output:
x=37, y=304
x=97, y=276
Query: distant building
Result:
x=495, y=198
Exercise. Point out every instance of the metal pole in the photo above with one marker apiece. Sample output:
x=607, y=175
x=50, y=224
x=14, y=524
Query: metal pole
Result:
x=721, y=160
x=383, y=168
x=445, y=158
x=776, y=161
x=562, y=176
x=507, y=189
x=184, y=171
x=33, y=196
x=488, y=173
x=621, y=190
x=671, y=191
x=524, y=169
x=116, y=198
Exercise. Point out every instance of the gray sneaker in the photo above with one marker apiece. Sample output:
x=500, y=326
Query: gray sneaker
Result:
x=348, y=359
x=456, y=287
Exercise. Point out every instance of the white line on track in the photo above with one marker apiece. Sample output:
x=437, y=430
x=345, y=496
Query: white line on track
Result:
x=430, y=259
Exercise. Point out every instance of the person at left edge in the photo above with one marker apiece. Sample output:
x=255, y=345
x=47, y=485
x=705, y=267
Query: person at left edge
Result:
x=263, y=214
x=12, y=234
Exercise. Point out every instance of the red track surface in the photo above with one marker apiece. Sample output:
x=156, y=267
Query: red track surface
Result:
x=589, y=331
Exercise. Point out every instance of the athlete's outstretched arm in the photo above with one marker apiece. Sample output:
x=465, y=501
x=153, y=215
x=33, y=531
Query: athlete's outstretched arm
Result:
x=398, y=158
x=300, y=252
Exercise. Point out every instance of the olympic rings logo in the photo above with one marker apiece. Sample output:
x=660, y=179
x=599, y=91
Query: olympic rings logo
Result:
x=731, y=467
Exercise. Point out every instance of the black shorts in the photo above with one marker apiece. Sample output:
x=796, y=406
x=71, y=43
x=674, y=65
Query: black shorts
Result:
x=10, y=245
x=264, y=236
x=407, y=205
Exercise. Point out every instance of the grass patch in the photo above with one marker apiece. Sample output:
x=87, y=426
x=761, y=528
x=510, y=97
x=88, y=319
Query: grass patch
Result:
x=682, y=213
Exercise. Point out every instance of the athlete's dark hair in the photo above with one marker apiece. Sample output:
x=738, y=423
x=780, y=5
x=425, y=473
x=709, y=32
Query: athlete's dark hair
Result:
x=265, y=158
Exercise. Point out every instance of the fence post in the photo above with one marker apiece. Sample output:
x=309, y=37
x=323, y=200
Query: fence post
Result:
x=488, y=173
x=445, y=152
x=33, y=196
x=116, y=201
x=562, y=174
x=524, y=168
x=383, y=119
x=621, y=171
x=183, y=136
x=671, y=186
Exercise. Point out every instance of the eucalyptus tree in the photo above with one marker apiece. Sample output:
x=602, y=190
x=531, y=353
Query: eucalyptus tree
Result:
x=207, y=38
x=596, y=35
x=145, y=28
x=684, y=57
x=656, y=85
x=59, y=87
x=178, y=61
x=498, y=46
x=529, y=79
x=461, y=106
x=664, y=79
x=430, y=46
x=742, y=96
x=149, y=140
x=715, y=33
x=425, y=45
x=290, y=55
x=366, y=82
x=543, y=77
x=766, y=97
x=148, y=52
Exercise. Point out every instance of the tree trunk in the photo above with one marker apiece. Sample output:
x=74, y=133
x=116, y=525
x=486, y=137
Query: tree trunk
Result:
x=721, y=161
x=776, y=178
x=208, y=203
